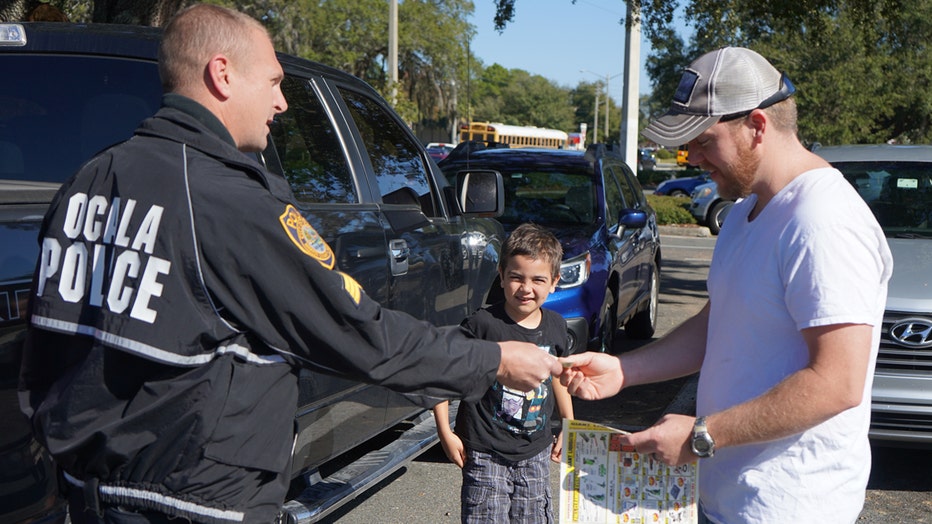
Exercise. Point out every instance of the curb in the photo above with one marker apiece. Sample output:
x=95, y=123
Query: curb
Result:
x=683, y=231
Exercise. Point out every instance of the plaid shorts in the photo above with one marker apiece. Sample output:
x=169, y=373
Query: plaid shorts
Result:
x=499, y=490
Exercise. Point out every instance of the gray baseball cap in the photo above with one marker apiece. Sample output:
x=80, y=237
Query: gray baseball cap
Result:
x=728, y=82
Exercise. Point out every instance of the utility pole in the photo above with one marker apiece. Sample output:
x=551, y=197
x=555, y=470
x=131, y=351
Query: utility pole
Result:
x=595, y=125
x=608, y=104
x=630, y=102
x=453, y=120
x=393, y=48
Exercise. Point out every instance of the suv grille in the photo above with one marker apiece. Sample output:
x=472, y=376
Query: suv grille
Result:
x=905, y=342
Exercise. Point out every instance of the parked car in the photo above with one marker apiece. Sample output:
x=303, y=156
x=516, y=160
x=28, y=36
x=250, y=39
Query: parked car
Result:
x=896, y=182
x=360, y=177
x=682, y=187
x=647, y=159
x=438, y=150
x=708, y=207
x=610, y=275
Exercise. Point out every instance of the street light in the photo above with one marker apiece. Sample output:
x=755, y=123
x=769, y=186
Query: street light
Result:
x=607, y=104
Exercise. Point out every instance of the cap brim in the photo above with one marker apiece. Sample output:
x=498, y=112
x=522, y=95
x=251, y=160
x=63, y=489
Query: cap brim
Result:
x=674, y=129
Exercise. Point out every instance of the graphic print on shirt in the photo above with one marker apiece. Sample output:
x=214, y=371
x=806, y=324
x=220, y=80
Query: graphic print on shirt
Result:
x=519, y=412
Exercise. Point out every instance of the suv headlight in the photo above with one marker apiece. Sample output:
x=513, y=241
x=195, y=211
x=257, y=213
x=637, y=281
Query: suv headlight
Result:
x=575, y=271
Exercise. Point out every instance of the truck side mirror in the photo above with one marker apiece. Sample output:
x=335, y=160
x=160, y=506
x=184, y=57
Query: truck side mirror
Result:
x=480, y=192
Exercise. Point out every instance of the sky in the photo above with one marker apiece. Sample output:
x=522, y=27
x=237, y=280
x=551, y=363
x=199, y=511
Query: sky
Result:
x=557, y=38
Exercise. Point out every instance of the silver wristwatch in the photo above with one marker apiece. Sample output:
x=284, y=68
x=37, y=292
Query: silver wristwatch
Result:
x=702, y=443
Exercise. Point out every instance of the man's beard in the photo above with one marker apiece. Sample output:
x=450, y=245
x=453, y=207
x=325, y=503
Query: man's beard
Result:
x=740, y=174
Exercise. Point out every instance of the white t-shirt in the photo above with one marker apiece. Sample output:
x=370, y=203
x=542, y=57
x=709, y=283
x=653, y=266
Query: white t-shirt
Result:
x=814, y=256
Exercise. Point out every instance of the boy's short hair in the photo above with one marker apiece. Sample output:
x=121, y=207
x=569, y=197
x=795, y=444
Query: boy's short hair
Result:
x=535, y=242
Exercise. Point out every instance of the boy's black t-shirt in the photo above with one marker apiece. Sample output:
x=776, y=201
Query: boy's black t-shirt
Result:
x=512, y=424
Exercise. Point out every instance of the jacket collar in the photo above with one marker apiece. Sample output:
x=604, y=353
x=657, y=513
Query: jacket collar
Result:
x=200, y=113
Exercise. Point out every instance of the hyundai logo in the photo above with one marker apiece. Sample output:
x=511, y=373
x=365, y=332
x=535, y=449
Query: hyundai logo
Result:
x=912, y=332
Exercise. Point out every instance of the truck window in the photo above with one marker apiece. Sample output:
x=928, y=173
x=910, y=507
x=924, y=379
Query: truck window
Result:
x=395, y=157
x=311, y=156
x=47, y=129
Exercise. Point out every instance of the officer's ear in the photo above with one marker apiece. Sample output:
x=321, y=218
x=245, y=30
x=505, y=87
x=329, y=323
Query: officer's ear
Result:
x=218, y=76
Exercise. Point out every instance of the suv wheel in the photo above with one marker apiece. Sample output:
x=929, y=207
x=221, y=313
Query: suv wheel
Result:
x=609, y=324
x=644, y=323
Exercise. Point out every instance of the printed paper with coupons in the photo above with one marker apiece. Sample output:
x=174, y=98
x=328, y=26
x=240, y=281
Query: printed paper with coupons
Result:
x=603, y=482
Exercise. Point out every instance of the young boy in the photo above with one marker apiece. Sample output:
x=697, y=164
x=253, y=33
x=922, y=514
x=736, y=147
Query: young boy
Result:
x=502, y=442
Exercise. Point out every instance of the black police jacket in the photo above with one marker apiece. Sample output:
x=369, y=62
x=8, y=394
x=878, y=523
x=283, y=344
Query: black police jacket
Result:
x=177, y=293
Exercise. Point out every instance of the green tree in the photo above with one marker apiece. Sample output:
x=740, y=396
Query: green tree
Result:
x=516, y=97
x=139, y=12
x=862, y=67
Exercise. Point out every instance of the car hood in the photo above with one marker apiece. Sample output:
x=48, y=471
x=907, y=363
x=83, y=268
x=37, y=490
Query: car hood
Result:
x=910, y=289
x=575, y=240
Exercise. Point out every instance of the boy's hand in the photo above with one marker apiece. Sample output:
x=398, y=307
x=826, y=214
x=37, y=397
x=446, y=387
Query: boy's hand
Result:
x=454, y=449
x=556, y=452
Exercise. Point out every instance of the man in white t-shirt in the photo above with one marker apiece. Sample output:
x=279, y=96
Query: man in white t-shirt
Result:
x=787, y=343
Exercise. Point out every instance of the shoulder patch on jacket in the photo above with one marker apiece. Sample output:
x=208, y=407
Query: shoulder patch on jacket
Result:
x=306, y=237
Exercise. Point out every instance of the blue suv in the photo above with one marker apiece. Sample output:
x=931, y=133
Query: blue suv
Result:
x=610, y=275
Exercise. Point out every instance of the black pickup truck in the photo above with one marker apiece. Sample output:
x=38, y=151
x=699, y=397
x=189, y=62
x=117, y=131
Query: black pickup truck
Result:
x=361, y=178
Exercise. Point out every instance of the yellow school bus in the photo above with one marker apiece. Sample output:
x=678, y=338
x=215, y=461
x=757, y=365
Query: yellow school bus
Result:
x=514, y=136
x=682, y=155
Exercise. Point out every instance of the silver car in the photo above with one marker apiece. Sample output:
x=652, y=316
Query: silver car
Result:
x=708, y=207
x=896, y=182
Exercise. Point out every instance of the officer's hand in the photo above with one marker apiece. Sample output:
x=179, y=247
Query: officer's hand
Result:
x=525, y=366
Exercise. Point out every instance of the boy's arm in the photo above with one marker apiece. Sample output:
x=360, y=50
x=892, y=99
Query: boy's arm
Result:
x=565, y=407
x=442, y=418
x=452, y=444
x=564, y=400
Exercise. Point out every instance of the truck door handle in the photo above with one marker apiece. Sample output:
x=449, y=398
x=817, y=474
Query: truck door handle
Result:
x=399, y=256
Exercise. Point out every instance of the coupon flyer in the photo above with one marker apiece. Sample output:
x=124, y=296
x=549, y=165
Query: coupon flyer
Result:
x=602, y=482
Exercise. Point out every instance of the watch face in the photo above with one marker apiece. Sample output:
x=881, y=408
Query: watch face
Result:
x=702, y=445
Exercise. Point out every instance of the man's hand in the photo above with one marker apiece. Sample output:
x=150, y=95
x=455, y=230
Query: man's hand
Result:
x=668, y=440
x=592, y=376
x=525, y=366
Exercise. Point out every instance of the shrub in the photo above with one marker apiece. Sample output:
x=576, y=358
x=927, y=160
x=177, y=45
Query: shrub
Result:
x=664, y=154
x=671, y=210
x=652, y=177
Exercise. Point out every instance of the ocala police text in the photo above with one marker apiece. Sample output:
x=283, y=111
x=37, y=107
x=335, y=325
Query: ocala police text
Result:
x=118, y=256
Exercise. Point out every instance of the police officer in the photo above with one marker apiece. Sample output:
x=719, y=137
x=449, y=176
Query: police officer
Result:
x=169, y=318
